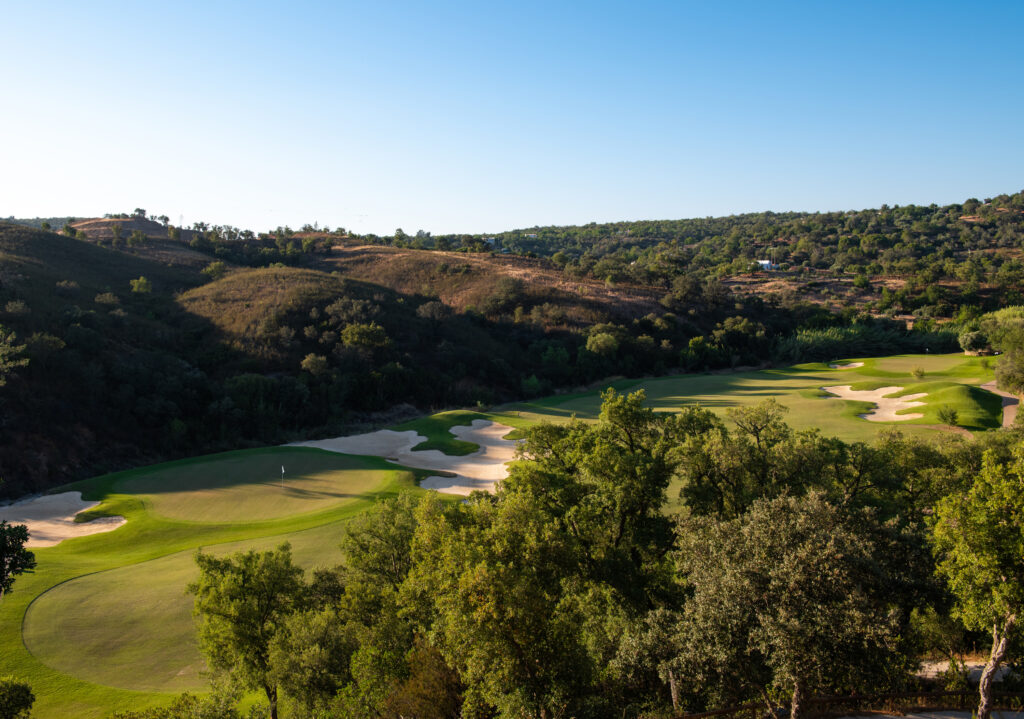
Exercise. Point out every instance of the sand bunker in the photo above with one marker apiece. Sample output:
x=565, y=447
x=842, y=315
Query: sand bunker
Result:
x=885, y=407
x=51, y=518
x=848, y=365
x=482, y=469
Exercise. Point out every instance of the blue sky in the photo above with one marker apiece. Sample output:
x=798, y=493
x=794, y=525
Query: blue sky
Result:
x=479, y=117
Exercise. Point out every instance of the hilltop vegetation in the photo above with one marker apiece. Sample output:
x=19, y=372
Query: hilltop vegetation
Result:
x=130, y=340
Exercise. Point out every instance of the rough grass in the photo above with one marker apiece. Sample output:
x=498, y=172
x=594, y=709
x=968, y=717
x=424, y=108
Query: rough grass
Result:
x=35, y=260
x=463, y=280
x=242, y=303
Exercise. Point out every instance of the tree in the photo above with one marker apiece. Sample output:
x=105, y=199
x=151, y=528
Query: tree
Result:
x=978, y=537
x=14, y=558
x=606, y=486
x=501, y=614
x=602, y=343
x=243, y=603
x=315, y=364
x=16, y=699
x=358, y=334
x=311, y=659
x=725, y=470
x=215, y=270
x=11, y=354
x=219, y=705
x=972, y=341
x=141, y=285
x=784, y=598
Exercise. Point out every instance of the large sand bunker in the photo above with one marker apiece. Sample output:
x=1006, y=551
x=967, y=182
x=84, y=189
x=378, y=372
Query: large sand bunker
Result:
x=51, y=518
x=848, y=365
x=885, y=407
x=482, y=469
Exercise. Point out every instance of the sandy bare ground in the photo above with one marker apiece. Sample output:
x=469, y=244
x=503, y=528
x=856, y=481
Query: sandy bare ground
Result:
x=930, y=670
x=1010, y=402
x=51, y=518
x=848, y=365
x=482, y=469
x=885, y=407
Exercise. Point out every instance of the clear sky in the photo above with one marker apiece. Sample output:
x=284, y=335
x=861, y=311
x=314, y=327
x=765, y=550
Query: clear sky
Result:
x=484, y=116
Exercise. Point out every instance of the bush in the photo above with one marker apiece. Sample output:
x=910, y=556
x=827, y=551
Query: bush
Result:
x=948, y=415
x=215, y=270
x=16, y=699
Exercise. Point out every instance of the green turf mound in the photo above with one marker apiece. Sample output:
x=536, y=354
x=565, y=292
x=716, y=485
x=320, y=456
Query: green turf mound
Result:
x=247, y=486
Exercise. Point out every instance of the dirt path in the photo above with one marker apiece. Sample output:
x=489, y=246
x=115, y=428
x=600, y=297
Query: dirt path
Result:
x=482, y=469
x=51, y=518
x=1010, y=402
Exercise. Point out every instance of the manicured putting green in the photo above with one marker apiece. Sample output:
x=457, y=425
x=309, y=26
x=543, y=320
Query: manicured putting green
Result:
x=132, y=627
x=248, y=487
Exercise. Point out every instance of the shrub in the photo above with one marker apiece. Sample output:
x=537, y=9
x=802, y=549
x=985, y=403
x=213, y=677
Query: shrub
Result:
x=215, y=270
x=948, y=415
x=16, y=699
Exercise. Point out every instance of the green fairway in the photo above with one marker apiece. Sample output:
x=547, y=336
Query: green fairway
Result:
x=139, y=617
x=798, y=388
x=105, y=622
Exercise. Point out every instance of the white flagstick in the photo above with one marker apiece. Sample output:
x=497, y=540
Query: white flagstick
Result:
x=282, y=476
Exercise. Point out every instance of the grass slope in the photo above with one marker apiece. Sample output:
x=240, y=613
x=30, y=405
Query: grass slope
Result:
x=463, y=280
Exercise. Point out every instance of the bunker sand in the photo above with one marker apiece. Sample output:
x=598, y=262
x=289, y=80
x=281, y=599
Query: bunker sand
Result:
x=482, y=469
x=885, y=407
x=51, y=518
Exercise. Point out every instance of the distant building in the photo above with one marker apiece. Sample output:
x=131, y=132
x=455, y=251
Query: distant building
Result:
x=532, y=236
x=765, y=265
